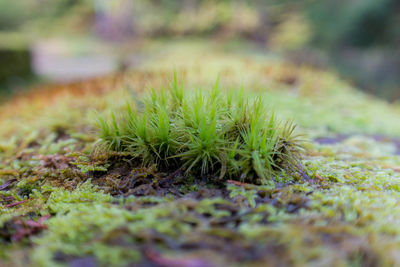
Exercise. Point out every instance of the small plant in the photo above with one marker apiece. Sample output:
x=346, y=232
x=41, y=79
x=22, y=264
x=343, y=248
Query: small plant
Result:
x=249, y=195
x=85, y=165
x=214, y=133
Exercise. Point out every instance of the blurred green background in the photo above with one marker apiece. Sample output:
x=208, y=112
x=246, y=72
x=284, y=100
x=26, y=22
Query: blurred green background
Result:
x=45, y=38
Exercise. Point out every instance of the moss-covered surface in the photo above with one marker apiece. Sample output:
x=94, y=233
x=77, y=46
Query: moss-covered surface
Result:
x=63, y=202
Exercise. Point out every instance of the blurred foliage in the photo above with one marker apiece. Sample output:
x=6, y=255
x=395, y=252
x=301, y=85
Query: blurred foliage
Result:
x=42, y=16
x=14, y=62
x=359, y=38
x=293, y=33
x=355, y=23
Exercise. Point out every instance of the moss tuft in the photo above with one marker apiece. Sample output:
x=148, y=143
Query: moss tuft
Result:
x=208, y=132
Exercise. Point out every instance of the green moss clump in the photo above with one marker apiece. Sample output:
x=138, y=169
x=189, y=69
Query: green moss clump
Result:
x=219, y=134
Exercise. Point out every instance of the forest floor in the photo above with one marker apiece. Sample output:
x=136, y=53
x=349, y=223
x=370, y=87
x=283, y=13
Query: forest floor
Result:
x=62, y=204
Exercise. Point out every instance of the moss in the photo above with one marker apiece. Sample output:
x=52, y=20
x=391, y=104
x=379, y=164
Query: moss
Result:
x=85, y=165
x=212, y=132
x=342, y=209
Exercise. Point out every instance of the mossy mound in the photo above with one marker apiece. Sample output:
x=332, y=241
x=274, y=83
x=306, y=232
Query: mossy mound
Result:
x=64, y=203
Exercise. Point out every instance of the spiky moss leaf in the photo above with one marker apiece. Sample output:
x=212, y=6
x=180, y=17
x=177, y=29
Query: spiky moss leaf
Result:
x=206, y=132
